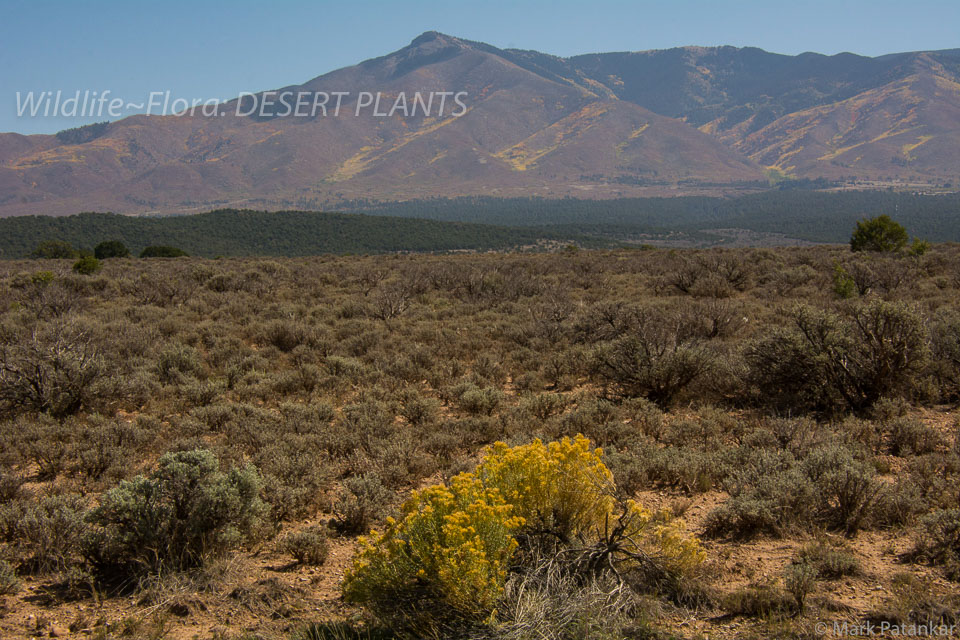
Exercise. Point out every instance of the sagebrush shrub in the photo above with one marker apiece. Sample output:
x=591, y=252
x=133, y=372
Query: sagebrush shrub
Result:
x=178, y=361
x=846, y=487
x=945, y=348
x=308, y=546
x=899, y=503
x=543, y=405
x=476, y=400
x=770, y=504
x=285, y=335
x=361, y=501
x=650, y=353
x=46, y=296
x=937, y=477
x=914, y=600
x=826, y=362
x=54, y=370
x=940, y=540
x=658, y=369
x=419, y=410
x=9, y=582
x=688, y=468
x=910, y=436
x=10, y=486
x=799, y=580
x=773, y=491
x=761, y=600
x=185, y=512
x=44, y=441
x=46, y=534
x=831, y=561
x=293, y=477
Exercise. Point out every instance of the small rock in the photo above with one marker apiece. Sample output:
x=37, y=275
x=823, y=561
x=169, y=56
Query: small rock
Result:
x=56, y=631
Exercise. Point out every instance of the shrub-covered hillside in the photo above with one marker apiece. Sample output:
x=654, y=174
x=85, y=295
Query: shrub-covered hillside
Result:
x=231, y=232
x=604, y=444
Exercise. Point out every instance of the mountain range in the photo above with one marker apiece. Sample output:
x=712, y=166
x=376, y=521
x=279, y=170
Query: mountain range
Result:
x=690, y=120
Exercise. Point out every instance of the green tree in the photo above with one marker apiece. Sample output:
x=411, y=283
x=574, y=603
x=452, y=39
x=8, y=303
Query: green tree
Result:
x=918, y=247
x=163, y=251
x=86, y=265
x=878, y=234
x=111, y=249
x=54, y=249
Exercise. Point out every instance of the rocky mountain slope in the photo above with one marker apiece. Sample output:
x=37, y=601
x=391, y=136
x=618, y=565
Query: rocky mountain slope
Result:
x=686, y=120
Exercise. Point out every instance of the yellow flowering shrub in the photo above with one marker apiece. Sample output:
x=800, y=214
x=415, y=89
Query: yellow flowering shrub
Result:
x=562, y=487
x=445, y=560
x=659, y=534
x=446, y=557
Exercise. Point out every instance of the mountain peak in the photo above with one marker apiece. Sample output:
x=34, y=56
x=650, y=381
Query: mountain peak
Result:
x=684, y=120
x=428, y=37
x=428, y=48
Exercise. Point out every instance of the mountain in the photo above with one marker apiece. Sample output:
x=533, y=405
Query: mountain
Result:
x=808, y=115
x=679, y=121
x=909, y=127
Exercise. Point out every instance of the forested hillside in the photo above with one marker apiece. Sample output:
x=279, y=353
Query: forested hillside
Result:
x=229, y=232
x=809, y=215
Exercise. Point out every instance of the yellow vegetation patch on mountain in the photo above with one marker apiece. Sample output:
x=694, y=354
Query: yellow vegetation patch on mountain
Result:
x=907, y=148
x=71, y=153
x=525, y=154
x=370, y=154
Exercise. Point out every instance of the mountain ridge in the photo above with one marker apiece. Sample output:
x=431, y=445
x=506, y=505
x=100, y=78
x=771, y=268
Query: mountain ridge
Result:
x=643, y=123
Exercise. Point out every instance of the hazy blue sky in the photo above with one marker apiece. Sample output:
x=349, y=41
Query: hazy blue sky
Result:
x=215, y=49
